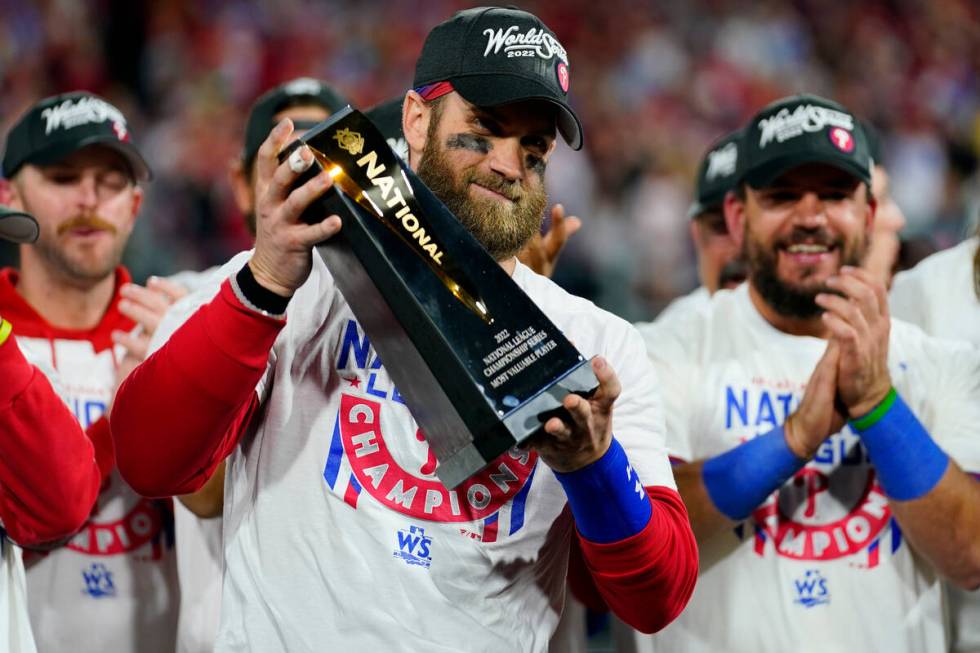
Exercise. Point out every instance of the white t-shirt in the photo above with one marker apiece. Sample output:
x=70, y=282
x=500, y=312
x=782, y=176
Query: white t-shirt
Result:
x=337, y=533
x=200, y=557
x=821, y=565
x=679, y=310
x=200, y=562
x=113, y=586
x=692, y=301
x=15, y=627
x=938, y=295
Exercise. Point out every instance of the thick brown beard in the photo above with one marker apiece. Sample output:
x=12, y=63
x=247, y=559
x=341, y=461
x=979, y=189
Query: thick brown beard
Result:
x=793, y=300
x=502, y=230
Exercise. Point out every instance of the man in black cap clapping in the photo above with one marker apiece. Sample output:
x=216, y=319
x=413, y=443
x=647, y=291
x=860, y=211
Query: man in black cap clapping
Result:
x=818, y=443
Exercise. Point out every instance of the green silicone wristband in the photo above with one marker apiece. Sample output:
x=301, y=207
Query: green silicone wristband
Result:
x=867, y=421
x=5, y=329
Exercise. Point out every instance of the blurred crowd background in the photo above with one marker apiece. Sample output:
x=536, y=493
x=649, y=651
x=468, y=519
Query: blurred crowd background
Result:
x=654, y=84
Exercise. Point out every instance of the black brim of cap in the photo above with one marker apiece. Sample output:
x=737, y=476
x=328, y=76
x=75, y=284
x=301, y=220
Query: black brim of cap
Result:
x=492, y=90
x=765, y=174
x=58, y=151
x=17, y=226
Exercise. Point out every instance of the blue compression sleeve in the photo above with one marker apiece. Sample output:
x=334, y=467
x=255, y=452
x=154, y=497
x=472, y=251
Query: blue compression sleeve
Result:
x=607, y=499
x=739, y=480
x=908, y=461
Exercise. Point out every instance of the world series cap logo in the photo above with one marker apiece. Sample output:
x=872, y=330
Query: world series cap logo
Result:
x=532, y=43
x=722, y=162
x=786, y=125
x=303, y=86
x=82, y=111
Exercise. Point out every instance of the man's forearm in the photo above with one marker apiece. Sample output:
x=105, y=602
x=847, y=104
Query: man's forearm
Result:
x=934, y=501
x=944, y=526
x=180, y=412
x=723, y=490
x=648, y=578
x=48, y=475
x=636, y=542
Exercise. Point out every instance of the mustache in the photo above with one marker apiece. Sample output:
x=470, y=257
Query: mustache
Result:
x=86, y=222
x=817, y=236
x=512, y=190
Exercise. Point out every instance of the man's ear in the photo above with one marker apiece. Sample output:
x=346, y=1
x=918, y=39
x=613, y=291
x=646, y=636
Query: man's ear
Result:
x=241, y=188
x=734, y=209
x=695, y=230
x=415, y=124
x=137, y=203
x=872, y=209
x=9, y=196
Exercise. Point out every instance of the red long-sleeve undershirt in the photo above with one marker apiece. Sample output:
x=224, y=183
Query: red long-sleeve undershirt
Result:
x=181, y=411
x=49, y=478
x=646, y=579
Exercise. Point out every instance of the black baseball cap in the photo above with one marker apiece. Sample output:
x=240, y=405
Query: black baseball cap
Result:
x=718, y=173
x=299, y=91
x=804, y=129
x=387, y=117
x=61, y=124
x=17, y=226
x=496, y=55
x=874, y=142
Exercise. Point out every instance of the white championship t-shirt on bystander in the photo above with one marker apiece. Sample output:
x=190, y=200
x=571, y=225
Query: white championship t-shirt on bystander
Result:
x=200, y=557
x=821, y=565
x=113, y=585
x=15, y=626
x=939, y=296
x=692, y=301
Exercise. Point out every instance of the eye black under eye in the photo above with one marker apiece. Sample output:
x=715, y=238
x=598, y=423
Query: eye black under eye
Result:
x=536, y=163
x=471, y=142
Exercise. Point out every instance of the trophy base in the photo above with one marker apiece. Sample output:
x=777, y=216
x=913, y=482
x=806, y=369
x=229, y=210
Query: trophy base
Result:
x=519, y=426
